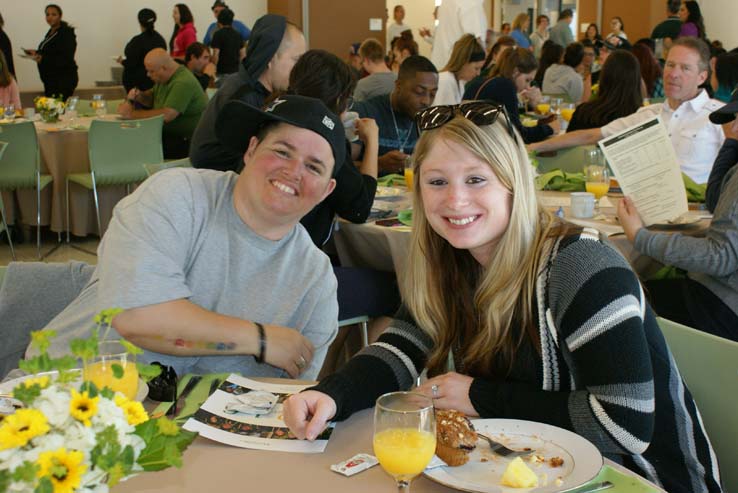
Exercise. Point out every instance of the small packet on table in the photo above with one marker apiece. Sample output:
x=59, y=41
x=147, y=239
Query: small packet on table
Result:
x=354, y=465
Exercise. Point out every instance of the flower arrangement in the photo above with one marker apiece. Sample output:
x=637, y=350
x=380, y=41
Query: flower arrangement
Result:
x=74, y=437
x=50, y=109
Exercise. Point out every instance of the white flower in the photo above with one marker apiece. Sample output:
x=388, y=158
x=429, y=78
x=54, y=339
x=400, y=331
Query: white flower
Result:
x=54, y=403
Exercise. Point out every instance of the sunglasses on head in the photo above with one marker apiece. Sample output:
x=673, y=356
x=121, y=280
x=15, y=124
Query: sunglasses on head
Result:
x=478, y=112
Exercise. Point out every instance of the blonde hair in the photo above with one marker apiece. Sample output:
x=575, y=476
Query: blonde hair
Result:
x=464, y=48
x=520, y=20
x=481, y=313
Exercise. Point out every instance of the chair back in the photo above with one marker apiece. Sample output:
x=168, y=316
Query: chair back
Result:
x=20, y=162
x=118, y=149
x=709, y=366
x=156, y=167
x=570, y=160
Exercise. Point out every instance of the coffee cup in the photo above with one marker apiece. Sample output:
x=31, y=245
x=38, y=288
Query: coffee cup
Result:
x=349, y=125
x=582, y=204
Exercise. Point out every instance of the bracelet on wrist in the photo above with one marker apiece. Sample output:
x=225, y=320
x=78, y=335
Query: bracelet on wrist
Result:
x=262, y=342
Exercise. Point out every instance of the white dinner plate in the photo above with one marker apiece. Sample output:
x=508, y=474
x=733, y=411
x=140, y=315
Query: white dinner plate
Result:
x=7, y=387
x=582, y=460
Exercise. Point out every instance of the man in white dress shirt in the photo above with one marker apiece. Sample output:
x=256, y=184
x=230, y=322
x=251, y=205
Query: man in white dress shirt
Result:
x=456, y=18
x=685, y=113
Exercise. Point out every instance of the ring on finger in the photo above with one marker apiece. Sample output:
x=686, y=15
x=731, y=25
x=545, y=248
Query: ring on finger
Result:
x=434, y=391
x=301, y=363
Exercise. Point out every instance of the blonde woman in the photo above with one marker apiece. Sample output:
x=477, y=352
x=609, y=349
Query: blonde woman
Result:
x=465, y=63
x=520, y=27
x=539, y=321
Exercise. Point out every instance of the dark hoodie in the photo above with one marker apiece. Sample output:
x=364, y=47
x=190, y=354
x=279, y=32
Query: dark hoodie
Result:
x=206, y=151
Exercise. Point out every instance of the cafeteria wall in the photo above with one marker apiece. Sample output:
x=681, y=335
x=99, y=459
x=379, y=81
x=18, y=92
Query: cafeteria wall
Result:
x=103, y=28
x=720, y=17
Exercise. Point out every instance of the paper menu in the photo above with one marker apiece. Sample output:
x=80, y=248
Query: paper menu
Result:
x=645, y=164
x=263, y=432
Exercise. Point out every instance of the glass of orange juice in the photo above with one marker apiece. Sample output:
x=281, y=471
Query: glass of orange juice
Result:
x=544, y=105
x=409, y=175
x=113, y=368
x=597, y=182
x=404, y=435
x=567, y=111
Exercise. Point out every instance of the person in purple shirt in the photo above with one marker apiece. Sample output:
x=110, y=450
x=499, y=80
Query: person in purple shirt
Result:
x=691, y=17
x=239, y=26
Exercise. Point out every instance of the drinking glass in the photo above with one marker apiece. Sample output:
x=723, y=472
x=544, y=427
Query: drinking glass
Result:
x=597, y=182
x=70, y=112
x=113, y=368
x=409, y=173
x=404, y=435
x=101, y=109
x=544, y=105
x=556, y=105
x=567, y=111
x=9, y=113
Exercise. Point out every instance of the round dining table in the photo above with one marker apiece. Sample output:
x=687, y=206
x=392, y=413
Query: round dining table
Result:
x=63, y=150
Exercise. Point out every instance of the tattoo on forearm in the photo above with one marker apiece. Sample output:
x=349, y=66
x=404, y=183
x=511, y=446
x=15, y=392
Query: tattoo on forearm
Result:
x=211, y=346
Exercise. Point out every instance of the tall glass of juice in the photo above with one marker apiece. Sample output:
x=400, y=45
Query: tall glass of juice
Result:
x=409, y=175
x=113, y=368
x=404, y=435
x=597, y=182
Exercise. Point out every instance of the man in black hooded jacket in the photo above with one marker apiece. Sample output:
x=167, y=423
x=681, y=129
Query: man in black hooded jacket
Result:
x=274, y=47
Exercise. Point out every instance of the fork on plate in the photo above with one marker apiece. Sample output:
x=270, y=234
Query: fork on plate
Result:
x=503, y=451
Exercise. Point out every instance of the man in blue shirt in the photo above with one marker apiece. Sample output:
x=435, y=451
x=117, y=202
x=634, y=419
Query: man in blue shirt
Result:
x=415, y=89
x=239, y=26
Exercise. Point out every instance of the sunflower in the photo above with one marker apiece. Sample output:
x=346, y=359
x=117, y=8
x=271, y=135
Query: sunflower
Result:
x=64, y=469
x=82, y=407
x=18, y=428
x=133, y=410
x=42, y=381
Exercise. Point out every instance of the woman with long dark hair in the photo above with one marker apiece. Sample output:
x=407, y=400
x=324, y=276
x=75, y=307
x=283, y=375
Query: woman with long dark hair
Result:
x=184, y=33
x=593, y=33
x=551, y=54
x=692, y=22
x=724, y=77
x=55, y=56
x=620, y=93
x=6, y=46
x=511, y=77
x=134, y=72
x=651, y=70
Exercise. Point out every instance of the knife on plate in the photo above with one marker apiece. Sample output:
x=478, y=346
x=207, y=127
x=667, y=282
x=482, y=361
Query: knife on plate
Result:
x=590, y=488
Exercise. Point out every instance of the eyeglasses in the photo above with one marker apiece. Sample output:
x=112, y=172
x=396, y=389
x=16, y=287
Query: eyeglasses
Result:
x=478, y=112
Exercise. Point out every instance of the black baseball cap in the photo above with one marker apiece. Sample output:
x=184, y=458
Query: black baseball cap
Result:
x=727, y=113
x=238, y=122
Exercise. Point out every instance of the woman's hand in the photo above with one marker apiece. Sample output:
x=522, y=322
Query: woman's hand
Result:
x=452, y=392
x=533, y=95
x=307, y=413
x=629, y=218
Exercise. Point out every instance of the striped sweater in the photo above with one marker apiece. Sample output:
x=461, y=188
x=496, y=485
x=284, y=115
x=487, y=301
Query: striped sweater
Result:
x=603, y=370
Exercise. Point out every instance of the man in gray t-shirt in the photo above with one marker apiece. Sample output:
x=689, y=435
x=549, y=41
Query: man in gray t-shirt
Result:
x=212, y=269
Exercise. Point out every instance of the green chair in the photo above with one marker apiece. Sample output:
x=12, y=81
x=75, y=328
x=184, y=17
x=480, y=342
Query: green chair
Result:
x=20, y=166
x=570, y=160
x=178, y=163
x=118, y=150
x=3, y=145
x=709, y=366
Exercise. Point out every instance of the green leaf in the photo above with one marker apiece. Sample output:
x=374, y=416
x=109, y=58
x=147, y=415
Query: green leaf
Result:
x=108, y=393
x=25, y=473
x=117, y=370
x=148, y=372
x=85, y=349
x=130, y=348
x=44, y=486
x=4, y=480
x=27, y=394
x=90, y=387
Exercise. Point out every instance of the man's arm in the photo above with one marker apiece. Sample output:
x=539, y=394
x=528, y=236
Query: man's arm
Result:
x=127, y=111
x=182, y=328
x=570, y=139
